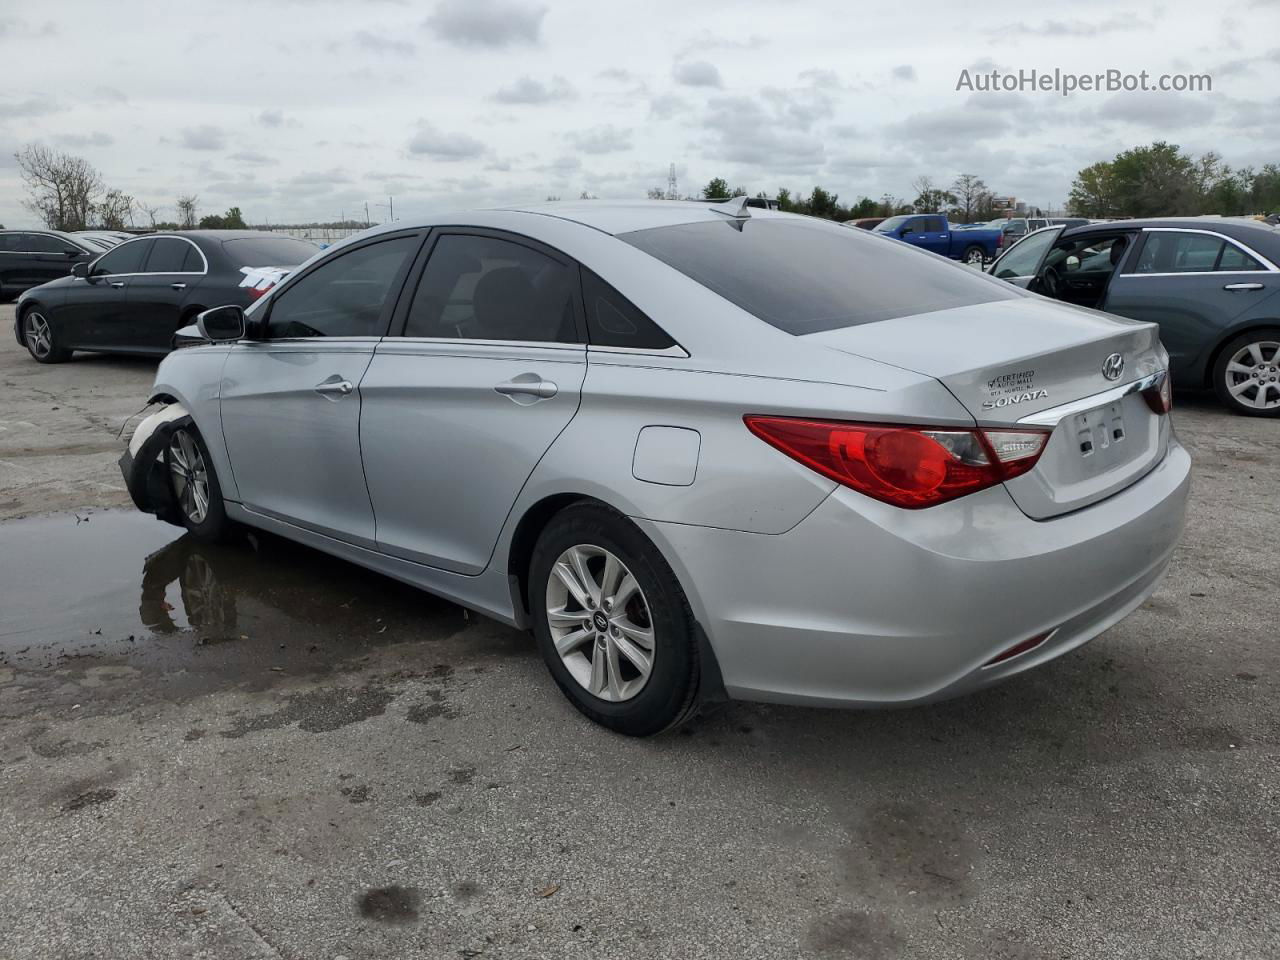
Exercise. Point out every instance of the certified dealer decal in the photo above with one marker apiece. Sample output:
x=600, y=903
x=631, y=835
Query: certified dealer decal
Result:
x=1010, y=388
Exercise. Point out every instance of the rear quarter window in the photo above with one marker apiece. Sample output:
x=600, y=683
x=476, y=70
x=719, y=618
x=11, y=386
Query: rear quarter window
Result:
x=806, y=276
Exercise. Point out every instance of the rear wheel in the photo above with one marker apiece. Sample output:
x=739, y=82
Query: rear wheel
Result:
x=39, y=336
x=1246, y=376
x=194, y=485
x=975, y=256
x=612, y=622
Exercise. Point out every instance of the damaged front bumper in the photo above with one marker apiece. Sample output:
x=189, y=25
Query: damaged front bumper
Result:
x=143, y=463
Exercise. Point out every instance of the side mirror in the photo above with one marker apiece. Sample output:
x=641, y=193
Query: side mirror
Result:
x=72, y=254
x=221, y=324
x=904, y=231
x=80, y=269
x=1073, y=262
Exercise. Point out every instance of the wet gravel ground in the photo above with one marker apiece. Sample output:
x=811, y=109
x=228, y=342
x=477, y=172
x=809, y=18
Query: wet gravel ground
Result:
x=257, y=751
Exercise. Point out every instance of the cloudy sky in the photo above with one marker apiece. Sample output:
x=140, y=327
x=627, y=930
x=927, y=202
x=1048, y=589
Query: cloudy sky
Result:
x=297, y=110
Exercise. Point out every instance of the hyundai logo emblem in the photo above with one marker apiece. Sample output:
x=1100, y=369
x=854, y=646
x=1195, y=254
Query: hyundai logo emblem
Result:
x=1113, y=366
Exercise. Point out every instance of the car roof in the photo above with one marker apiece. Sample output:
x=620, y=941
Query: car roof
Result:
x=623, y=216
x=1242, y=228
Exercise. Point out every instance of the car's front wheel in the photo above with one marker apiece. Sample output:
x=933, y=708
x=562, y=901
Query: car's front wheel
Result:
x=194, y=485
x=613, y=623
x=40, y=338
x=1246, y=375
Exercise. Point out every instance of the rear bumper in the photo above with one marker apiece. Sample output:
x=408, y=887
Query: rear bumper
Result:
x=862, y=604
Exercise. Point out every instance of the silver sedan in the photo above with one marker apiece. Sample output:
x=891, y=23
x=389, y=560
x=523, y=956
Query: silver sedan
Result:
x=700, y=450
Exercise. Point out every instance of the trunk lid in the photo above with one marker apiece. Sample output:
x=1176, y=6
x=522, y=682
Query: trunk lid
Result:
x=1020, y=361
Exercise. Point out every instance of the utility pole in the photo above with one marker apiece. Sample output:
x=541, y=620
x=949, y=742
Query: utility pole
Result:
x=391, y=209
x=672, y=192
x=367, y=221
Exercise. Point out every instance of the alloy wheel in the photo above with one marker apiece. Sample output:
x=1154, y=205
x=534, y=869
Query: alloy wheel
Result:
x=190, y=476
x=39, y=337
x=1253, y=375
x=600, y=623
x=975, y=258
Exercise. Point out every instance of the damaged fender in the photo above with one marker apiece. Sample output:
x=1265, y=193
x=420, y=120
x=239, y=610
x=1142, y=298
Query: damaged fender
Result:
x=143, y=465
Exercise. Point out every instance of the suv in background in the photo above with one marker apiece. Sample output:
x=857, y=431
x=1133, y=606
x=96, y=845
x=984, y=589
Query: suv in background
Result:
x=29, y=258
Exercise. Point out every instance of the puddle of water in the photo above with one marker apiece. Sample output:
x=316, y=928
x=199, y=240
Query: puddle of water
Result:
x=124, y=585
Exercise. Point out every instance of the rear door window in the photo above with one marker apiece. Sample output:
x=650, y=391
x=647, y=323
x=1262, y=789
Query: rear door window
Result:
x=1234, y=259
x=1175, y=252
x=43, y=243
x=11, y=242
x=805, y=277
x=486, y=288
x=933, y=225
x=171, y=255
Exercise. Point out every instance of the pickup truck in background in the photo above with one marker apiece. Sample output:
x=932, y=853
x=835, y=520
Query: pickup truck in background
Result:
x=975, y=243
x=933, y=232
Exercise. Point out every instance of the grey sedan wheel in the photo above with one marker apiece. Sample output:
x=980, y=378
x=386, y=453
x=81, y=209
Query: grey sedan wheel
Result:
x=600, y=623
x=612, y=622
x=193, y=484
x=1247, y=374
x=190, y=476
x=39, y=338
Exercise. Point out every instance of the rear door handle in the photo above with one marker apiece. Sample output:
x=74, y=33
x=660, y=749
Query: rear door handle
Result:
x=177, y=286
x=334, y=387
x=528, y=385
x=1242, y=286
x=117, y=283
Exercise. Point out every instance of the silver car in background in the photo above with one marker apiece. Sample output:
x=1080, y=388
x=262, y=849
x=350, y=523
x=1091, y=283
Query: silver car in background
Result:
x=700, y=450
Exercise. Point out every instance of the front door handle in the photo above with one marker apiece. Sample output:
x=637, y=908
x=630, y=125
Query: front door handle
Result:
x=1242, y=286
x=334, y=387
x=117, y=284
x=528, y=385
x=177, y=286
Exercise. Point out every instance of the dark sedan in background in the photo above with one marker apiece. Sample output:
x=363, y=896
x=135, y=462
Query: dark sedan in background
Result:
x=133, y=298
x=29, y=258
x=1211, y=283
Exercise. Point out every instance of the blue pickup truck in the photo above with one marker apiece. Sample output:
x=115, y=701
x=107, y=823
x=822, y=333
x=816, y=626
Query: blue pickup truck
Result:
x=932, y=231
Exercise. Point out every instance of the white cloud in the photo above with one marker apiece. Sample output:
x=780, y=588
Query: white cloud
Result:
x=697, y=73
x=431, y=142
x=487, y=23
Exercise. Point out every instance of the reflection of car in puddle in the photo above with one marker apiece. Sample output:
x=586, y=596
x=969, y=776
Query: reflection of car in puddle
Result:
x=208, y=603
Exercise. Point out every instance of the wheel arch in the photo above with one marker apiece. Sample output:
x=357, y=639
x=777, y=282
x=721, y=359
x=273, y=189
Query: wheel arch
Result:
x=520, y=554
x=1264, y=323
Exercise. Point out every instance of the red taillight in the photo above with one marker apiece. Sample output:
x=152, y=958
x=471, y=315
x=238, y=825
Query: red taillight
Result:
x=1160, y=397
x=1000, y=241
x=910, y=467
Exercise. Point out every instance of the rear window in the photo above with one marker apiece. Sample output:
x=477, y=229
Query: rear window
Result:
x=269, y=251
x=804, y=277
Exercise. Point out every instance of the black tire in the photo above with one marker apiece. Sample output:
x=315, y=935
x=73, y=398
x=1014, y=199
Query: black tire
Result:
x=1224, y=379
x=975, y=254
x=669, y=696
x=53, y=353
x=213, y=526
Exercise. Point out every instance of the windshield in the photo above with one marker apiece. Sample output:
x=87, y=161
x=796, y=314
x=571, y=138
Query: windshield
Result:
x=269, y=251
x=890, y=225
x=804, y=276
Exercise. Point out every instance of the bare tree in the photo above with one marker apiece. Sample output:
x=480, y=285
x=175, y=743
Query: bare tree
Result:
x=187, y=206
x=61, y=188
x=970, y=193
x=115, y=210
x=151, y=210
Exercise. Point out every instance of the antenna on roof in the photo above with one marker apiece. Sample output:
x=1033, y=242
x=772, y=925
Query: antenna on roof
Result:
x=735, y=207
